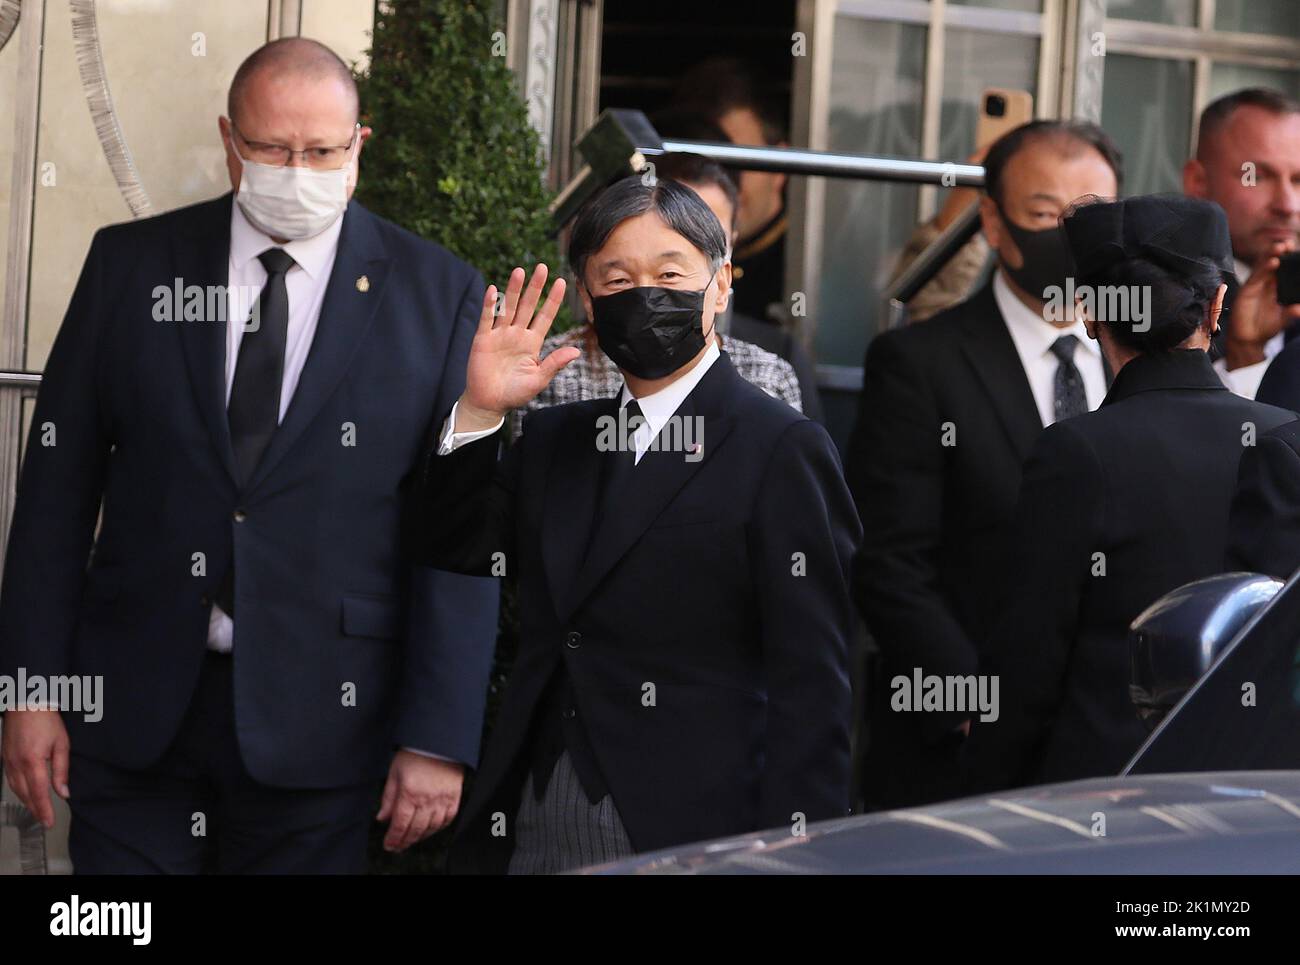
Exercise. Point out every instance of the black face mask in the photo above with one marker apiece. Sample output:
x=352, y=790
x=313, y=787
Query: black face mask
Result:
x=1047, y=260
x=650, y=332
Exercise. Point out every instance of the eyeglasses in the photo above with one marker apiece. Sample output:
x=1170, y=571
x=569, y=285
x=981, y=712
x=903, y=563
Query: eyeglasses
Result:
x=316, y=158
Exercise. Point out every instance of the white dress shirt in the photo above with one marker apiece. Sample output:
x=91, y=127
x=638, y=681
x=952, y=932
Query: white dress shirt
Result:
x=1033, y=337
x=656, y=408
x=1245, y=380
x=305, y=282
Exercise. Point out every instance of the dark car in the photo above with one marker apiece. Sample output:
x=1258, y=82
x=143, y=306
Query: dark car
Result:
x=1216, y=788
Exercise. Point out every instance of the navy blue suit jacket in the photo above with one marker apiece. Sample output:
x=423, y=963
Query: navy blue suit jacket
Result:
x=343, y=649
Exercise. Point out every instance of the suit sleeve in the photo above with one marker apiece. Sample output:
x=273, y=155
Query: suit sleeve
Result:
x=1264, y=523
x=60, y=491
x=452, y=625
x=1280, y=385
x=1057, y=531
x=896, y=468
x=802, y=540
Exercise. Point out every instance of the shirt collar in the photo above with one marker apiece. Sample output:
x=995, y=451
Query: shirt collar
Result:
x=658, y=407
x=314, y=255
x=1034, y=335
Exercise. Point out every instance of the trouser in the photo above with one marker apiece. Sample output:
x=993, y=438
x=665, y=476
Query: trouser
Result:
x=199, y=810
x=564, y=830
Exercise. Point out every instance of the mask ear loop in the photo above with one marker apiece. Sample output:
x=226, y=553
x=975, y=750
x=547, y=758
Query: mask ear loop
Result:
x=714, y=327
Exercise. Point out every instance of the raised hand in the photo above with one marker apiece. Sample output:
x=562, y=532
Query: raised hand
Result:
x=1256, y=316
x=504, y=371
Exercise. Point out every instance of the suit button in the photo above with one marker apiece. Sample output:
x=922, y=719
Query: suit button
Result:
x=569, y=713
x=205, y=600
x=573, y=640
x=239, y=516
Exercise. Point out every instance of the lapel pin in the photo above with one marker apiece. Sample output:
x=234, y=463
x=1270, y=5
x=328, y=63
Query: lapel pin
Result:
x=363, y=284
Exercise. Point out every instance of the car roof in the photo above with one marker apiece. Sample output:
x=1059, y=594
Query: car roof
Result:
x=1242, y=822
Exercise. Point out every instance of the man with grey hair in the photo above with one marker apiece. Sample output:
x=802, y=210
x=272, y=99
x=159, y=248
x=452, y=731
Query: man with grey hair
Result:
x=682, y=552
x=271, y=657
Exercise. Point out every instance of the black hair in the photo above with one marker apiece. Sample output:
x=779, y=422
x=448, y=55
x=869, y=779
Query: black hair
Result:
x=719, y=85
x=1218, y=112
x=688, y=169
x=290, y=54
x=688, y=124
x=1178, y=302
x=1066, y=134
x=680, y=208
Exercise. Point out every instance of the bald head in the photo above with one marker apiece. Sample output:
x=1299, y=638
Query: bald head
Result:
x=297, y=94
x=1218, y=116
x=1248, y=161
x=294, y=59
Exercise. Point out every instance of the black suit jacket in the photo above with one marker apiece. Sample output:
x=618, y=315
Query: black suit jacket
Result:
x=1117, y=508
x=1281, y=383
x=326, y=596
x=947, y=418
x=1264, y=527
x=718, y=591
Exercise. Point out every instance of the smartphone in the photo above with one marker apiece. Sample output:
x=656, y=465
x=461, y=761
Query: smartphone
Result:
x=1288, y=278
x=1002, y=110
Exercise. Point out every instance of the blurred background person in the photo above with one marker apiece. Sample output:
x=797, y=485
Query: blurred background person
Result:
x=726, y=91
x=594, y=376
x=950, y=408
x=746, y=318
x=1121, y=505
x=1248, y=162
x=954, y=282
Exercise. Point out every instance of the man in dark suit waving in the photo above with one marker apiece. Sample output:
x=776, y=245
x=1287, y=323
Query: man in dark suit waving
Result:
x=682, y=551
x=268, y=653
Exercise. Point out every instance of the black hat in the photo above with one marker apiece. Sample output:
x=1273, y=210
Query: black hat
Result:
x=1183, y=235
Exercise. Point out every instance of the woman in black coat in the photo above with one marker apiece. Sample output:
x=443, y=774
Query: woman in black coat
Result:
x=1120, y=505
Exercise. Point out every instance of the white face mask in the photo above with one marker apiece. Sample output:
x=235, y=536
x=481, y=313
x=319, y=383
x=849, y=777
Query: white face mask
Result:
x=292, y=202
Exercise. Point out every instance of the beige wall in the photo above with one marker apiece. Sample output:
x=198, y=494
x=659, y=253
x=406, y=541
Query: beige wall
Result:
x=168, y=64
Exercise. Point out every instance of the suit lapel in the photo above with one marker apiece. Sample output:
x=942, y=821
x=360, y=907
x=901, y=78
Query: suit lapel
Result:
x=572, y=494
x=658, y=477
x=202, y=258
x=988, y=347
x=345, y=316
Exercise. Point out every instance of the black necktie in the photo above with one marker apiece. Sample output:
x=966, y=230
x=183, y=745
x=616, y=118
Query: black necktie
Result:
x=619, y=466
x=254, y=409
x=1070, y=397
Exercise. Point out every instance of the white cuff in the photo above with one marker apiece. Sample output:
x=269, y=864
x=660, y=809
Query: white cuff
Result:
x=451, y=441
